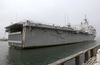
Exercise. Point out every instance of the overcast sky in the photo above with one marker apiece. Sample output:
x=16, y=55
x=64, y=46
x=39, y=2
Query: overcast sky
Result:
x=49, y=11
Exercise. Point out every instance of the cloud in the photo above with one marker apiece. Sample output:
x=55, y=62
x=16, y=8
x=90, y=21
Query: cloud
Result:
x=50, y=11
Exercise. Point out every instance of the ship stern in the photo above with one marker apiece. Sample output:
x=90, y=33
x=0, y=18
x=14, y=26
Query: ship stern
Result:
x=15, y=35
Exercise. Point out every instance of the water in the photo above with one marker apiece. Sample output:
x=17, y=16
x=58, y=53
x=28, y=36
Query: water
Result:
x=40, y=56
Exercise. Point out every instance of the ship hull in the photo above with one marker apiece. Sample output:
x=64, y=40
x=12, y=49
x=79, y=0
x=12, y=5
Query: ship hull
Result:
x=40, y=37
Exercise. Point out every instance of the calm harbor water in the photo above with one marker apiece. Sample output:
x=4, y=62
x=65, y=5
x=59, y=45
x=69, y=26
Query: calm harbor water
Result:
x=40, y=56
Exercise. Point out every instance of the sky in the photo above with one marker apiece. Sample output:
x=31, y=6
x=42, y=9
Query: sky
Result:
x=49, y=11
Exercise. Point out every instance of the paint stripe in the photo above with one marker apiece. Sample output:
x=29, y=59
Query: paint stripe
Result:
x=14, y=33
x=15, y=41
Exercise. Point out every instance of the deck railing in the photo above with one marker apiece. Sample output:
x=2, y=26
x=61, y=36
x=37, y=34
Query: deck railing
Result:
x=92, y=50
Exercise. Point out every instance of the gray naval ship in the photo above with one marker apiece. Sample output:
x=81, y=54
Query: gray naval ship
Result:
x=28, y=33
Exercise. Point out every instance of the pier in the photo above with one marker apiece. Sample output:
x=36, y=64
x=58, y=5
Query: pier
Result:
x=3, y=39
x=88, y=54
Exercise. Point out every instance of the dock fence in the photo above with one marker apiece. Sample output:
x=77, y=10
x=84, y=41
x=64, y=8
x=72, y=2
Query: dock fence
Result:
x=92, y=50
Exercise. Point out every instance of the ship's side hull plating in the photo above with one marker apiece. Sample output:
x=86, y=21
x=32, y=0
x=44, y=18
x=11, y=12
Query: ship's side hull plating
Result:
x=36, y=37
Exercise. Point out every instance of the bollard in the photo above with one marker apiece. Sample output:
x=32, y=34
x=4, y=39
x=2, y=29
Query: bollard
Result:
x=98, y=57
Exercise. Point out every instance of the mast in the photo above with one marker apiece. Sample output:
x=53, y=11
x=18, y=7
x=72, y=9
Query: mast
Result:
x=86, y=23
x=85, y=18
x=16, y=17
x=67, y=19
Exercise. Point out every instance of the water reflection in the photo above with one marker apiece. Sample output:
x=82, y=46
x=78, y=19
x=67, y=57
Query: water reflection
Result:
x=44, y=56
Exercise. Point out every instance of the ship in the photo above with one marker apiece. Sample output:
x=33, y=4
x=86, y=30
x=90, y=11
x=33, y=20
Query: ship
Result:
x=31, y=34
